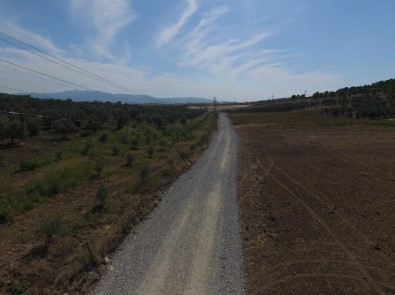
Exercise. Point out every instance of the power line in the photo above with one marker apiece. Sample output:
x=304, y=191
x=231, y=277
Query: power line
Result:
x=22, y=91
x=36, y=76
x=61, y=80
x=66, y=64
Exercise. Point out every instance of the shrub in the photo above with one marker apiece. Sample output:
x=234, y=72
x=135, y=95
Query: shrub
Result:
x=58, y=155
x=18, y=287
x=144, y=173
x=129, y=160
x=115, y=150
x=33, y=126
x=49, y=227
x=102, y=193
x=88, y=149
x=3, y=217
x=103, y=137
x=184, y=155
x=134, y=143
x=170, y=162
x=27, y=165
x=99, y=168
x=149, y=138
x=123, y=139
x=163, y=144
x=64, y=126
x=150, y=151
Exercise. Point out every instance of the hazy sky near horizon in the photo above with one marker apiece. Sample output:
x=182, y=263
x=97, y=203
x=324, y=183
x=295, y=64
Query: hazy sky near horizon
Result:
x=232, y=49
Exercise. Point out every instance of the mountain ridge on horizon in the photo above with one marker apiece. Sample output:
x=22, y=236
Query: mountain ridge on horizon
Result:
x=77, y=95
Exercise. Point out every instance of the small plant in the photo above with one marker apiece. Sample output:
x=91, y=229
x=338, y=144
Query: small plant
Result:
x=49, y=227
x=144, y=173
x=27, y=165
x=150, y=151
x=184, y=155
x=123, y=139
x=149, y=138
x=134, y=143
x=170, y=162
x=88, y=149
x=2, y=160
x=163, y=144
x=103, y=137
x=58, y=155
x=102, y=193
x=129, y=160
x=3, y=217
x=115, y=150
x=18, y=287
x=192, y=148
x=99, y=168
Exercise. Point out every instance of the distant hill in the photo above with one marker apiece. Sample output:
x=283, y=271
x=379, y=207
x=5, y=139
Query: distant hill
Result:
x=183, y=100
x=126, y=98
x=375, y=101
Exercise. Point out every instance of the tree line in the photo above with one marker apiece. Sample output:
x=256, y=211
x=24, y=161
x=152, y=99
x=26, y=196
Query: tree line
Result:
x=369, y=101
x=22, y=115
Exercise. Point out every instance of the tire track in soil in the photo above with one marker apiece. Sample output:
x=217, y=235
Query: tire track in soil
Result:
x=297, y=204
x=350, y=255
x=358, y=234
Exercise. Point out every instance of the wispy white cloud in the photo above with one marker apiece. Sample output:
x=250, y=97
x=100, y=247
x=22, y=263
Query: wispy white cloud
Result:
x=206, y=47
x=106, y=17
x=230, y=55
x=169, y=32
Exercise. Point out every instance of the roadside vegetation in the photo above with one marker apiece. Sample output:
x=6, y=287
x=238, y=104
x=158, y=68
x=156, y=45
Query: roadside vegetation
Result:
x=76, y=177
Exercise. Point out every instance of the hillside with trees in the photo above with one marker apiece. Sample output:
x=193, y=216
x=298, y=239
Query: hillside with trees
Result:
x=369, y=101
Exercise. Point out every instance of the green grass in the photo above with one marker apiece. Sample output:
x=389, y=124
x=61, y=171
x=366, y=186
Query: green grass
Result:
x=53, y=176
x=54, y=181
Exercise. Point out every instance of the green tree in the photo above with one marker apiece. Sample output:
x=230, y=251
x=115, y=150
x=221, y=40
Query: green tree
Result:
x=64, y=127
x=33, y=126
x=16, y=130
x=4, y=127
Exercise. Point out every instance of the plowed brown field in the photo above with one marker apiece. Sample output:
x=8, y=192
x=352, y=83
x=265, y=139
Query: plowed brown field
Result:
x=317, y=206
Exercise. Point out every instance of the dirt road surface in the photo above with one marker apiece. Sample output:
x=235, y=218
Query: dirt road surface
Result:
x=191, y=243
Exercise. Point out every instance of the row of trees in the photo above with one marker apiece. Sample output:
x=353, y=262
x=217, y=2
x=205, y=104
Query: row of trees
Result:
x=24, y=115
x=369, y=101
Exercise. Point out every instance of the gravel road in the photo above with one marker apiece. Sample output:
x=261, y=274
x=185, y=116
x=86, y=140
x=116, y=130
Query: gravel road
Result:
x=191, y=242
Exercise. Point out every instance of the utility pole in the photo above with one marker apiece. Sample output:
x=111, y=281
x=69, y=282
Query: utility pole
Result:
x=214, y=103
x=215, y=109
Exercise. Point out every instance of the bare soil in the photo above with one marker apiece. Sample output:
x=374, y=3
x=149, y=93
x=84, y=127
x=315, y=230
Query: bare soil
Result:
x=317, y=205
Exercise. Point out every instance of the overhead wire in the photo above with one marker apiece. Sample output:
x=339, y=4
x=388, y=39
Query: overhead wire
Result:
x=61, y=80
x=23, y=91
x=65, y=64
x=35, y=76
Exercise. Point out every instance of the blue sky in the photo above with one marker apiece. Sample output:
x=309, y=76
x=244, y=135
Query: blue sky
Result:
x=232, y=49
